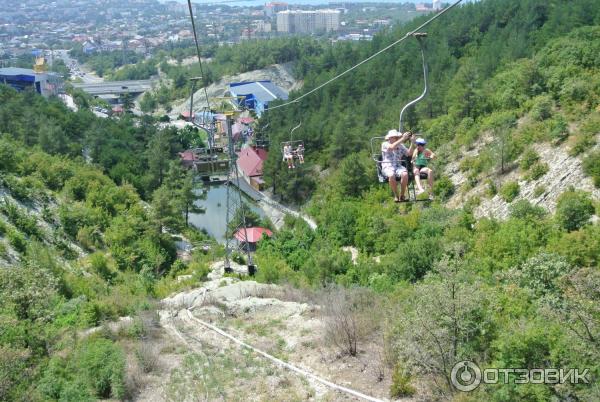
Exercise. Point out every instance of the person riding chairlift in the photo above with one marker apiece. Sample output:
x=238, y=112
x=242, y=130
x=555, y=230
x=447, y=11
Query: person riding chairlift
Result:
x=288, y=156
x=392, y=152
x=300, y=153
x=420, y=159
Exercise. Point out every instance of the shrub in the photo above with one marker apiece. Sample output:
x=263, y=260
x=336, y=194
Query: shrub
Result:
x=349, y=316
x=539, y=190
x=17, y=240
x=540, y=273
x=523, y=209
x=99, y=265
x=443, y=188
x=401, y=386
x=558, y=129
x=147, y=357
x=542, y=108
x=529, y=158
x=25, y=223
x=509, y=191
x=101, y=364
x=490, y=189
x=591, y=167
x=537, y=171
x=574, y=209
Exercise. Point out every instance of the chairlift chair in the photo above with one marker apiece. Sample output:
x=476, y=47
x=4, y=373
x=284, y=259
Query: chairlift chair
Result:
x=376, y=142
x=297, y=148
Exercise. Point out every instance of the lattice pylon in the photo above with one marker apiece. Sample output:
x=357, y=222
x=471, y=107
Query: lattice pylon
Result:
x=235, y=203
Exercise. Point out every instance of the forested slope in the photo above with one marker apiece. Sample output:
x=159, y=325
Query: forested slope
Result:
x=484, y=58
x=83, y=241
x=508, y=78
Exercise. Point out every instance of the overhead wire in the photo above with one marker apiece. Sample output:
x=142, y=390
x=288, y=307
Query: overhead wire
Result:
x=408, y=34
x=198, y=52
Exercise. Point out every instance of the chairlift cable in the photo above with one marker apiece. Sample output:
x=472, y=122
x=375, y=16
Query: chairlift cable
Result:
x=198, y=52
x=408, y=34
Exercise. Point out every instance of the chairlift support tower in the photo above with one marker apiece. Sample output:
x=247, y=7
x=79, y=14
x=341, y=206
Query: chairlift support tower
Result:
x=235, y=203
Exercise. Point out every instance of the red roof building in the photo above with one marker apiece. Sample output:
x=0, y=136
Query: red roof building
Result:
x=254, y=234
x=251, y=160
x=188, y=158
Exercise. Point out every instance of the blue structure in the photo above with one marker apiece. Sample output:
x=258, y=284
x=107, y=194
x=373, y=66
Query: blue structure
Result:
x=257, y=95
x=21, y=79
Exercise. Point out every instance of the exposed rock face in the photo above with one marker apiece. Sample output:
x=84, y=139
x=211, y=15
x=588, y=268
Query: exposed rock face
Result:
x=564, y=171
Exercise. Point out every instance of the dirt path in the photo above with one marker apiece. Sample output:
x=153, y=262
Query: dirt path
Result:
x=250, y=341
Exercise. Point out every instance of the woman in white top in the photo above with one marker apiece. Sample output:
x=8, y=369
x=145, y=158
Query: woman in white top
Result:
x=288, y=156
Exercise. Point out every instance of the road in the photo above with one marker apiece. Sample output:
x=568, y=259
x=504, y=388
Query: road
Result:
x=115, y=87
x=77, y=71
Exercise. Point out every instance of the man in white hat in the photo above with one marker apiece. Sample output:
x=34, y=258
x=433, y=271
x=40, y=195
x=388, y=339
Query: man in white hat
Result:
x=392, y=151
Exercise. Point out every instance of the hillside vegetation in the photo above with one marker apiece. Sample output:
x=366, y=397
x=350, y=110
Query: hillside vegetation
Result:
x=77, y=249
x=507, y=76
x=91, y=209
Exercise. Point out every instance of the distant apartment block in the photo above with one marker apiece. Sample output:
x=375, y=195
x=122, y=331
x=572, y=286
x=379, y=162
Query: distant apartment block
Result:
x=302, y=21
x=272, y=9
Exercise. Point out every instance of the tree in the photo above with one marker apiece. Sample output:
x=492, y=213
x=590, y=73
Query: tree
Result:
x=127, y=101
x=159, y=153
x=353, y=178
x=148, y=103
x=574, y=209
x=164, y=209
x=440, y=323
x=188, y=194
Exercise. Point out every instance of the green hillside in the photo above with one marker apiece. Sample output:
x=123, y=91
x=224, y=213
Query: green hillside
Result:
x=502, y=293
x=91, y=210
x=77, y=249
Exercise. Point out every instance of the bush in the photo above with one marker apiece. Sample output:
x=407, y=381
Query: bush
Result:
x=529, y=158
x=147, y=357
x=101, y=364
x=17, y=240
x=401, y=386
x=591, y=167
x=537, y=171
x=523, y=209
x=443, y=188
x=490, y=189
x=539, y=274
x=349, y=316
x=574, y=209
x=542, y=108
x=509, y=191
x=539, y=190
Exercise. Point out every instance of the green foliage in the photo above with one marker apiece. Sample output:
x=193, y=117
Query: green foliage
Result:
x=401, y=383
x=353, y=178
x=537, y=171
x=491, y=189
x=539, y=190
x=541, y=108
x=523, y=209
x=540, y=274
x=95, y=370
x=574, y=209
x=591, y=167
x=509, y=191
x=443, y=188
x=23, y=222
x=528, y=159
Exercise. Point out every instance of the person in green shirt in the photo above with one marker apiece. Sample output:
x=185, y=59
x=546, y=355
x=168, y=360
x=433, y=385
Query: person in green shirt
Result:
x=420, y=161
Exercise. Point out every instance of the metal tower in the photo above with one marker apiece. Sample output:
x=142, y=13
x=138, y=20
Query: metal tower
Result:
x=234, y=204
